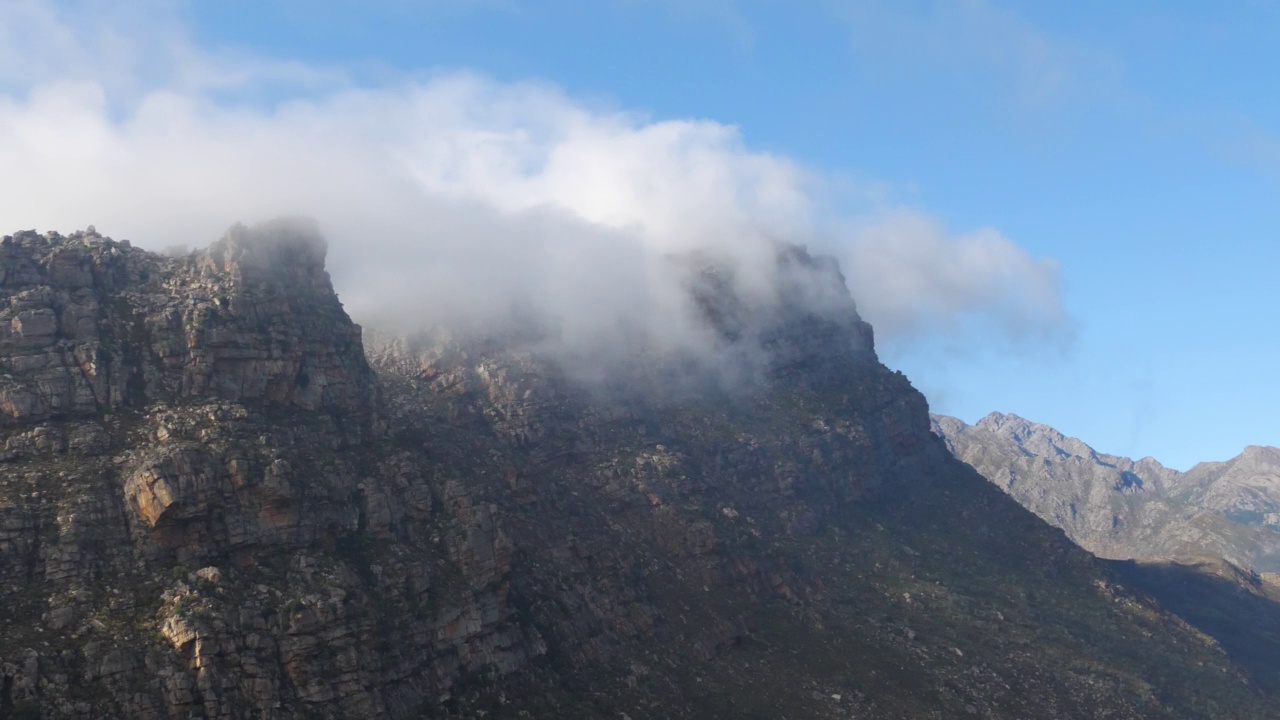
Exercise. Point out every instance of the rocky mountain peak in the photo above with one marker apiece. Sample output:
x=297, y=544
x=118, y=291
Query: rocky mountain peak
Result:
x=1034, y=437
x=286, y=250
x=737, y=327
x=800, y=326
x=88, y=324
x=1262, y=454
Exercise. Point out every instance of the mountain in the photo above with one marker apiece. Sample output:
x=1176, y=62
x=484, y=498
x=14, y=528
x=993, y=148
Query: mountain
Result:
x=1116, y=507
x=1244, y=489
x=1199, y=538
x=1238, y=608
x=219, y=499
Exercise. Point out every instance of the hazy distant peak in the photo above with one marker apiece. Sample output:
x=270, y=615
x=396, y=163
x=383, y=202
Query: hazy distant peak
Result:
x=1149, y=464
x=1252, y=461
x=1010, y=425
x=1264, y=453
x=1121, y=508
x=997, y=417
x=945, y=424
x=1035, y=438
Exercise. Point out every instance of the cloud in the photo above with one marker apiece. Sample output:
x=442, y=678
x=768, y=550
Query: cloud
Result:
x=926, y=282
x=453, y=198
x=130, y=50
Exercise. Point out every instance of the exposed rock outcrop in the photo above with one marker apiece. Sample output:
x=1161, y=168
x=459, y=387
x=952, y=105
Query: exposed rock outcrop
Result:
x=91, y=325
x=212, y=505
x=1122, y=508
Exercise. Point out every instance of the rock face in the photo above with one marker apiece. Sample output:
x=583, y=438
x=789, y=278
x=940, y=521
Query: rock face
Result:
x=91, y=326
x=1124, y=509
x=1244, y=489
x=213, y=505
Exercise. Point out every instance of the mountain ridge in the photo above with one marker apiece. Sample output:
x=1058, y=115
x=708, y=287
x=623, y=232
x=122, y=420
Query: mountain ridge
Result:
x=1195, y=541
x=219, y=499
x=1220, y=509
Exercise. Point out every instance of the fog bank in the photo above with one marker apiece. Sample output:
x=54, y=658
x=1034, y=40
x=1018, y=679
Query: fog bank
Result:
x=457, y=199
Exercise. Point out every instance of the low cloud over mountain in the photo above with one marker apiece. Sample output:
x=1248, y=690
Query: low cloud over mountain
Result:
x=455, y=198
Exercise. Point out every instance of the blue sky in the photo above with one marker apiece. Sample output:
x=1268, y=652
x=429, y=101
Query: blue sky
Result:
x=1122, y=159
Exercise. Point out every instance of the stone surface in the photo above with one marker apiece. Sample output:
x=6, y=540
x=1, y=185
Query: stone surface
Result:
x=215, y=502
x=1125, y=509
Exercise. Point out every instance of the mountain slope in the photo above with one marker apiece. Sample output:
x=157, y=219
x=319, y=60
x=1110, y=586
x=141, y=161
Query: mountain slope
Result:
x=1194, y=533
x=1120, y=508
x=1244, y=489
x=1238, y=608
x=212, y=505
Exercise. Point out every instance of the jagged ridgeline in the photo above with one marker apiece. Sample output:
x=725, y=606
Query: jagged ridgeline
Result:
x=1120, y=508
x=213, y=505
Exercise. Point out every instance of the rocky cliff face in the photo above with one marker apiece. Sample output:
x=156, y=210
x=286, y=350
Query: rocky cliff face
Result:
x=212, y=505
x=91, y=325
x=1122, y=508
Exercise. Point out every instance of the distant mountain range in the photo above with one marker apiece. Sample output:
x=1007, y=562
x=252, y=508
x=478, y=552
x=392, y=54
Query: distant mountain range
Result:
x=1121, y=508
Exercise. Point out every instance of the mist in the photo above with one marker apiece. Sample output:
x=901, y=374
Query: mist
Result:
x=452, y=199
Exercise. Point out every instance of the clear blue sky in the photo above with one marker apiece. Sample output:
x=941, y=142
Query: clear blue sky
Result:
x=1136, y=143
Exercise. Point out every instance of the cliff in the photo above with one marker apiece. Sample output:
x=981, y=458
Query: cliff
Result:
x=213, y=505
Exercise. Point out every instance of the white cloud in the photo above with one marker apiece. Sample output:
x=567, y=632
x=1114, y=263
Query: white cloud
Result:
x=925, y=281
x=452, y=197
x=131, y=49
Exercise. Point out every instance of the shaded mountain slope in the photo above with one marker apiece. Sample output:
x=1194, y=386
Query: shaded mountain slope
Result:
x=212, y=505
x=1238, y=608
x=1193, y=532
